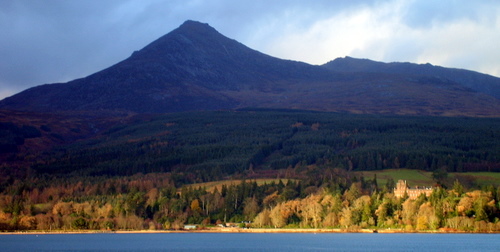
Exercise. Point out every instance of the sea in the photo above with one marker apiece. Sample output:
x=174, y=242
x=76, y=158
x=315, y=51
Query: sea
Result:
x=250, y=242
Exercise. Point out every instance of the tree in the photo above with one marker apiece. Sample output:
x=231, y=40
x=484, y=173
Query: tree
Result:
x=346, y=217
x=362, y=210
x=390, y=185
x=278, y=219
x=353, y=192
x=426, y=217
x=331, y=220
x=62, y=208
x=409, y=212
x=332, y=203
x=251, y=208
x=439, y=175
x=27, y=222
x=271, y=200
x=262, y=219
x=458, y=188
x=179, y=221
x=195, y=206
x=311, y=211
x=80, y=223
x=382, y=214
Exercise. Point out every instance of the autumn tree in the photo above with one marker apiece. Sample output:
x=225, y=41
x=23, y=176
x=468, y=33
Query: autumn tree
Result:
x=251, y=208
x=311, y=211
x=277, y=216
x=262, y=219
x=426, y=218
x=346, y=217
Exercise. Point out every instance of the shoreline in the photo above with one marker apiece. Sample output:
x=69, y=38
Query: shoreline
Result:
x=249, y=230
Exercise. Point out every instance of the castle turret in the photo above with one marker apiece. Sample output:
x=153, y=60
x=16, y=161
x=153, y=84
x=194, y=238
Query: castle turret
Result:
x=402, y=189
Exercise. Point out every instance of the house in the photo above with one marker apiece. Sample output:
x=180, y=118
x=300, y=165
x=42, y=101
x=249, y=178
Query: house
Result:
x=402, y=189
x=190, y=227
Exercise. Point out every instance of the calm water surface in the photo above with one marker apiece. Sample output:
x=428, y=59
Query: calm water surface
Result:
x=250, y=242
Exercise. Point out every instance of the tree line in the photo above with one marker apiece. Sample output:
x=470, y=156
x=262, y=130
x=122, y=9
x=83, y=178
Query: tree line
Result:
x=152, y=201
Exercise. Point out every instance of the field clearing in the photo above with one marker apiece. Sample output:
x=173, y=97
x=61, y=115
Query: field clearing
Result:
x=483, y=178
x=424, y=178
x=413, y=177
x=210, y=186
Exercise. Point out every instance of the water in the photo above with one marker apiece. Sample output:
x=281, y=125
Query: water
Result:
x=251, y=242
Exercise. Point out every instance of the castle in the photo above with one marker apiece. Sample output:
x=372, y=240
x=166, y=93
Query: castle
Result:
x=413, y=193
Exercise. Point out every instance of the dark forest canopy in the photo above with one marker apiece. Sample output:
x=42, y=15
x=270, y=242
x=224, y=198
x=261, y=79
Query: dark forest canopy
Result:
x=213, y=145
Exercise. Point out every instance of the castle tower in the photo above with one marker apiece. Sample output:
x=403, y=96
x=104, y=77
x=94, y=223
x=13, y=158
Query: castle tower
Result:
x=401, y=188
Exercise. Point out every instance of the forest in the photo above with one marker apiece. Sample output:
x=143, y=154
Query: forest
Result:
x=213, y=145
x=152, y=202
x=144, y=175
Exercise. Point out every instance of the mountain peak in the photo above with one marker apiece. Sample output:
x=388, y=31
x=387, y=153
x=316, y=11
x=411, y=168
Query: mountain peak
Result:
x=194, y=67
x=189, y=33
x=195, y=28
x=191, y=24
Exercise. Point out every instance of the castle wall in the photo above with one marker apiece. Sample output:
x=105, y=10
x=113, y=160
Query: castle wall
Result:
x=413, y=193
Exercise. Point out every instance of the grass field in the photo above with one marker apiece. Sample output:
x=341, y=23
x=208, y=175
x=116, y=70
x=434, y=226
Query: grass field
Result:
x=483, y=178
x=412, y=177
x=210, y=186
x=424, y=178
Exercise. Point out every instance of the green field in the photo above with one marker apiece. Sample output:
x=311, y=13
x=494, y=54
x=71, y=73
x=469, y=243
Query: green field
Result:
x=423, y=178
x=210, y=186
x=483, y=178
x=412, y=177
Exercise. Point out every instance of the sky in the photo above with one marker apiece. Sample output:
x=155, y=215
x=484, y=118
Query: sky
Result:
x=55, y=41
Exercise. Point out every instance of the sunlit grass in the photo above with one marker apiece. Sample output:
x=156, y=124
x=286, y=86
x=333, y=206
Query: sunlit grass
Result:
x=424, y=178
x=412, y=177
x=211, y=186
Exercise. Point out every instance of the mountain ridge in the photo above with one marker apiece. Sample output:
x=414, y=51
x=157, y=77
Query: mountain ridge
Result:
x=194, y=67
x=489, y=83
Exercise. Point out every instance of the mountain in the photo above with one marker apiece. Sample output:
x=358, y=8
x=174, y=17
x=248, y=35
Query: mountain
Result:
x=194, y=67
x=476, y=81
x=187, y=69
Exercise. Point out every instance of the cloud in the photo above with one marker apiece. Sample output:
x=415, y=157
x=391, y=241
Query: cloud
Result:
x=426, y=13
x=385, y=32
x=58, y=40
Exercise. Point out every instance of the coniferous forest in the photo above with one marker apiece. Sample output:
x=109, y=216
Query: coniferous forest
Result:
x=213, y=145
x=141, y=175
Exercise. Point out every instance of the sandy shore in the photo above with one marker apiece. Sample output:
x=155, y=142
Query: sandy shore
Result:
x=207, y=230
x=234, y=230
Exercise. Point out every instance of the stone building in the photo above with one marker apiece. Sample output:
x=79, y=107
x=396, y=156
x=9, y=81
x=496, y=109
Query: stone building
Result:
x=413, y=193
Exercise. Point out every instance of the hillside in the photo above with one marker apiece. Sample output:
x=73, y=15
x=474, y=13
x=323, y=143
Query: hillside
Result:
x=206, y=146
x=195, y=68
